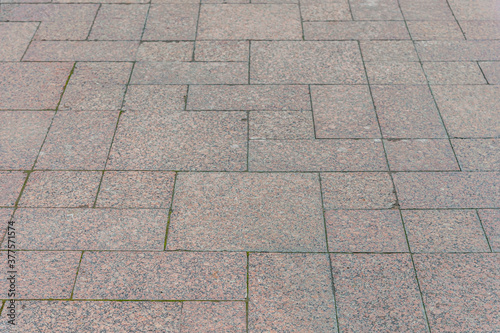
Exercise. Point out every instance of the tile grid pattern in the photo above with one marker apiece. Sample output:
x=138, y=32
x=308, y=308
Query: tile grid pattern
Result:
x=219, y=198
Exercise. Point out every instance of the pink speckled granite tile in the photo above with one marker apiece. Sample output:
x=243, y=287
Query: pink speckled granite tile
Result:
x=281, y=125
x=90, y=229
x=171, y=21
x=365, y=231
x=337, y=10
x=444, y=231
x=61, y=189
x=221, y=51
x=426, y=10
x=205, y=317
x=453, y=73
x=461, y=292
x=375, y=10
x=456, y=50
x=162, y=276
x=478, y=154
x=377, y=293
x=11, y=183
x=395, y=73
x=247, y=212
x=491, y=71
x=491, y=223
x=46, y=274
x=435, y=30
x=165, y=51
x=155, y=97
x=279, y=292
x=356, y=30
x=119, y=22
x=400, y=50
x=22, y=135
x=475, y=10
x=15, y=38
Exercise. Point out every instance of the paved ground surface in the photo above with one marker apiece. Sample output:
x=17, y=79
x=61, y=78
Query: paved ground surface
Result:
x=274, y=166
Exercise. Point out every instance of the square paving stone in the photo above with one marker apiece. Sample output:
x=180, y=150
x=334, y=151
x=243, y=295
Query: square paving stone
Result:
x=249, y=97
x=155, y=98
x=460, y=291
x=32, y=86
x=453, y=73
x=11, y=183
x=375, y=10
x=190, y=73
x=344, y=112
x=82, y=51
x=90, y=229
x=43, y=274
x=365, y=231
x=165, y=51
x=491, y=223
x=454, y=50
x=87, y=316
x=133, y=189
x=21, y=137
x=420, y=155
x=316, y=155
x=469, y=111
x=162, y=276
x=478, y=154
x=388, y=51
x=15, y=38
x=448, y=190
x=407, y=112
x=119, y=22
x=357, y=190
x=280, y=288
x=171, y=22
x=395, y=73
x=306, y=63
x=377, y=293
x=214, y=317
x=356, y=30
x=208, y=141
x=272, y=125
x=61, y=189
x=491, y=71
x=249, y=21
x=247, y=212
x=435, y=30
x=444, y=231
x=78, y=140
x=426, y=10
x=336, y=10
x=227, y=50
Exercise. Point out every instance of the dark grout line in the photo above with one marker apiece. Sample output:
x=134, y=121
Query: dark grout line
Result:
x=456, y=20
x=484, y=230
x=312, y=114
x=301, y=20
x=76, y=275
x=170, y=211
x=31, y=40
x=482, y=72
x=93, y=21
x=247, y=298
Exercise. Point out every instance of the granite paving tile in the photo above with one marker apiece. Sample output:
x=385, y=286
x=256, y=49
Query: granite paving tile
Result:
x=32, y=86
x=11, y=183
x=171, y=22
x=448, y=190
x=395, y=73
x=249, y=21
x=78, y=140
x=247, y=212
x=281, y=125
x=162, y=276
x=426, y=10
x=365, y=231
x=5, y=217
x=420, y=155
x=491, y=71
x=43, y=274
x=88, y=316
x=306, y=62
x=119, y=22
x=165, y=51
x=475, y=10
x=61, y=189
x=316, y=155
x=490, y=219
x=469, y=111
x=213, y=317
x=435, y=30
x=132, y=189
x=481, y=29
x=356, y=30
x=343, y=111
x=375, y=10
x=453, y=73
x=444, y=231
x=15, y=38
x=336, y=10
x=377, y=293
x=227, y=50
x=201, y=141
x=190, y=73
x=407, y=111
x=357, y=190
x=249, y=97
x=155, y=97
x=21, y=137
x=82, y=51
x=478, y=154
x=280, y=288
x=453, y=50
x=392, y=51
x=90, y=229
x=460, y=291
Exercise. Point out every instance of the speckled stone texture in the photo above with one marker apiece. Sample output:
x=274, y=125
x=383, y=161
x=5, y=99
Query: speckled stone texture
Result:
x=213, y=317
x=11, y=183
x=491, y=224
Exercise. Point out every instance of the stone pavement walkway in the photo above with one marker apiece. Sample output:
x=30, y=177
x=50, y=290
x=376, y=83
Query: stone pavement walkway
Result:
x=273, y=166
